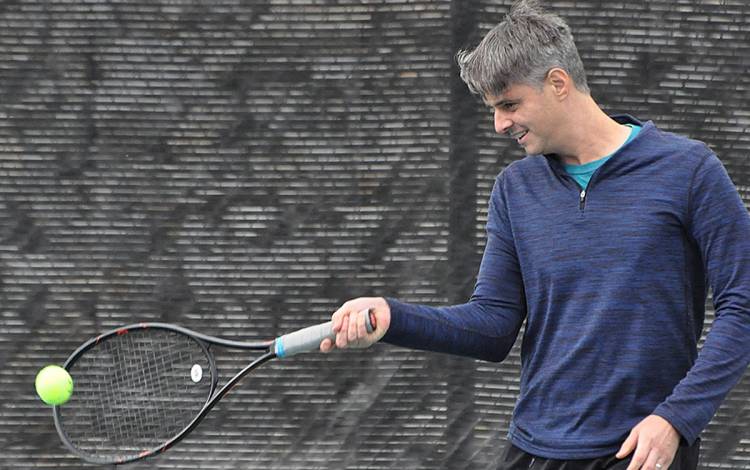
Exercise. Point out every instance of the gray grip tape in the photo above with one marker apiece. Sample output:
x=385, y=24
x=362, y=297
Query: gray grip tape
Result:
x=309, y=339
x=304, y=340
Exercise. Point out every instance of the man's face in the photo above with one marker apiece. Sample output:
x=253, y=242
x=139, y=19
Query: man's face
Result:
x=526, y=114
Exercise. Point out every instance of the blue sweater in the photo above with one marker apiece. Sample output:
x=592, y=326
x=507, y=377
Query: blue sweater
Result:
x=612, y=283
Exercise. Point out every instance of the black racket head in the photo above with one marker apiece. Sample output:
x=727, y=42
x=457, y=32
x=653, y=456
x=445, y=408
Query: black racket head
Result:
x=134, y=389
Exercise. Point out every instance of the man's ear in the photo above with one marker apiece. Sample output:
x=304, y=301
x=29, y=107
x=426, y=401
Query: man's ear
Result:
x=560, y=82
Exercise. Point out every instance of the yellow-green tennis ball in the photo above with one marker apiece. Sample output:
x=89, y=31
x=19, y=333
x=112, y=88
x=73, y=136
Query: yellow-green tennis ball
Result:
x=54, y=385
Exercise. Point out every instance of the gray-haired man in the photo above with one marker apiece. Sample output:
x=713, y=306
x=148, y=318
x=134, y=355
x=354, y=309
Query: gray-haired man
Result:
x=605, y=240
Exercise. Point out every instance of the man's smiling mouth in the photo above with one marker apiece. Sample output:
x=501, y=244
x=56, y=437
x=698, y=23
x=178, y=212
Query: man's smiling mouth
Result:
x=518, y=135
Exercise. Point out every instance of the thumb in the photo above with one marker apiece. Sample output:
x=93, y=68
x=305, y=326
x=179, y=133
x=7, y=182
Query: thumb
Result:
x=629, y=445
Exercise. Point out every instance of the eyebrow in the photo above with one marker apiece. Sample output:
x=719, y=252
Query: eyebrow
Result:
x=502, y=102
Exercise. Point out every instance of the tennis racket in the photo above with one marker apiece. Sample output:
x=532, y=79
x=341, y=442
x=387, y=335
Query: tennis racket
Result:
x=140, y=389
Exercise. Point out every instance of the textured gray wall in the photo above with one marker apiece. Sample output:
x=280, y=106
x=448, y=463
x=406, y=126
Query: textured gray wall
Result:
x=243, y=167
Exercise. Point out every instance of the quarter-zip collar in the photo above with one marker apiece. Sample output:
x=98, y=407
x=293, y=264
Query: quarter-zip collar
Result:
x=553, y=160
x=557, y=167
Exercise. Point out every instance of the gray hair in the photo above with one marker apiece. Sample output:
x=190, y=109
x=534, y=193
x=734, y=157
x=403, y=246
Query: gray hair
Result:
x=521, y=50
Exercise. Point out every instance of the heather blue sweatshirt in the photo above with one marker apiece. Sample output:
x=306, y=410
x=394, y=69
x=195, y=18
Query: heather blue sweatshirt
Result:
x=612, y=283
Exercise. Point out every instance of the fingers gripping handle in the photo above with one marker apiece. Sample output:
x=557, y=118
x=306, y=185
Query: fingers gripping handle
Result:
x=309, y=339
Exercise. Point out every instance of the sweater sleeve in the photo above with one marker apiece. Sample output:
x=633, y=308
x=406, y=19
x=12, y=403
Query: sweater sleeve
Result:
x=720, y=225
x=487, y=325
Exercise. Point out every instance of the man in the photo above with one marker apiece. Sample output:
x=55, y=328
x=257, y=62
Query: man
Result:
x=604, y=239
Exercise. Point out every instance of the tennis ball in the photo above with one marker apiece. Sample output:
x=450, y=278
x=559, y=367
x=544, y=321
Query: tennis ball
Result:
x=54, y=385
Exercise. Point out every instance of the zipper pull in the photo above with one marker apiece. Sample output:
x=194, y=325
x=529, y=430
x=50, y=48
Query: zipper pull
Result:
x=582, y=200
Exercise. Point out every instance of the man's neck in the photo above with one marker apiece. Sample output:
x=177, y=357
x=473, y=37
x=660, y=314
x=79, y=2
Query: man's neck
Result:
x=593, y=136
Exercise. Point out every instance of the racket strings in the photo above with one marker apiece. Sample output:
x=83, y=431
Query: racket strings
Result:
x=134, y=392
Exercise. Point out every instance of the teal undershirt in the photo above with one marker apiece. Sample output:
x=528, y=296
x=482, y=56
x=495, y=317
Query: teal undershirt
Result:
x=582, y=173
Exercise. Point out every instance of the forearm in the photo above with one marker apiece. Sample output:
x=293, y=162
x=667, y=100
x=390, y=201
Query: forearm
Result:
x=479, y=329
x=722, y=361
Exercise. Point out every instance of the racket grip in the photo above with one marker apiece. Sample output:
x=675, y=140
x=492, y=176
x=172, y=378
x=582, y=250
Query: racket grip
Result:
x=309, y=339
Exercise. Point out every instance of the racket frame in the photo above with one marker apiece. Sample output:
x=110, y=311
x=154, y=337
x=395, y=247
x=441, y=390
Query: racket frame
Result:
x=205, y=341
x=306, y=339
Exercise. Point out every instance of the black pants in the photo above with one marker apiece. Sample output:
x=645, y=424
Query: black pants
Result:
x=514, y=458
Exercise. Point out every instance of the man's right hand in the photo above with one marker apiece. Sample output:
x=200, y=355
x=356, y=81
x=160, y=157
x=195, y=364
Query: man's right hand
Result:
x=349, y=324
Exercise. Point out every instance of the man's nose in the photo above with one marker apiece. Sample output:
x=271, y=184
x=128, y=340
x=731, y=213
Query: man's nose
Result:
x=502, y=123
